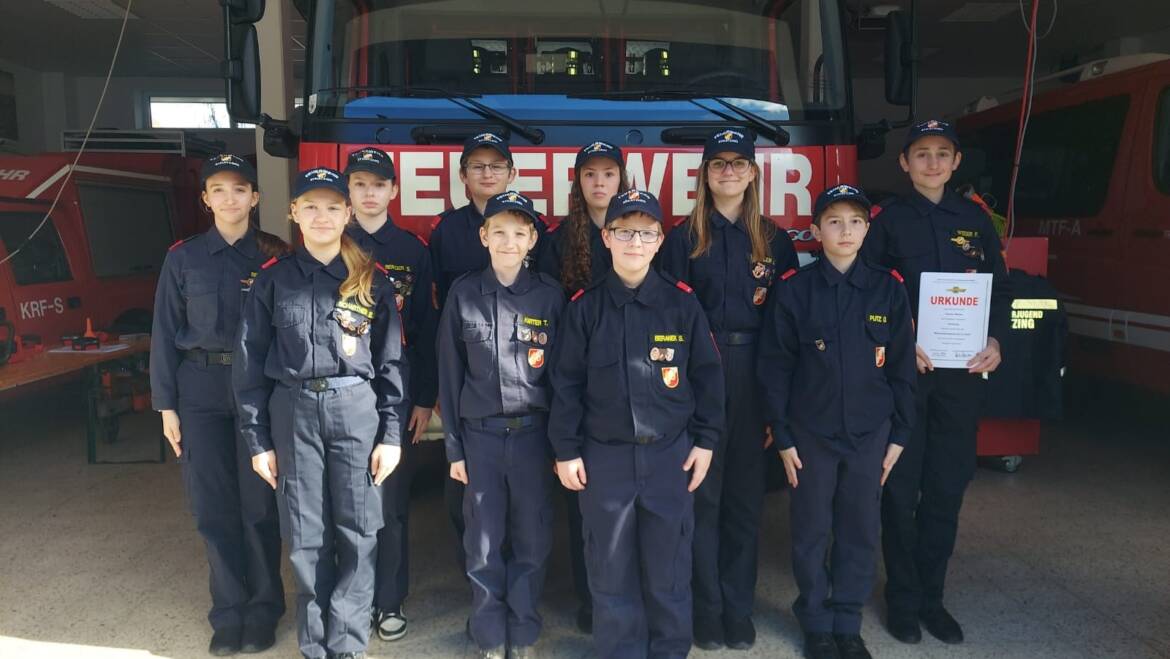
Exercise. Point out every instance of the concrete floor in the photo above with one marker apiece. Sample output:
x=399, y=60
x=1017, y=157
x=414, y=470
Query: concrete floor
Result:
x=1067, y=558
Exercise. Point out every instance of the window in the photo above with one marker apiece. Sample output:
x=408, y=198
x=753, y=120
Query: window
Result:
x=1162, y=143
x=129, y=229
x=1067, y=163
x=42, y=260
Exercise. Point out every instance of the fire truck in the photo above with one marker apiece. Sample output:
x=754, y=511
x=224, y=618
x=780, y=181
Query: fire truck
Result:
x=656, y=77
x=1094, y=179
x=97, y=256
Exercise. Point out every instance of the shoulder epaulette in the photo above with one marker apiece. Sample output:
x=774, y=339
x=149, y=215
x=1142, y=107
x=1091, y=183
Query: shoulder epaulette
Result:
x=176, y=244
x=874, y=211
x=268, y=264
x=381, y=268
x=420, y=239
x=435, y=222
x=577, y=295
x=787, y=275
x=682, y=286
x=897, y=275
x=553, y=228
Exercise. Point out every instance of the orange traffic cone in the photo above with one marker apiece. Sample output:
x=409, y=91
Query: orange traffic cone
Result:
x=89, y=329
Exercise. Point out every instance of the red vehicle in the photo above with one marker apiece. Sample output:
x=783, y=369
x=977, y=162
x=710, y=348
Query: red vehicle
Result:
x=99, y=254
x=1094, y=179
x=418, y=78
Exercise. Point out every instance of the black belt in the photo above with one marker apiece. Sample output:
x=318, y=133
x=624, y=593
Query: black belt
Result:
x=736, y=338
x=205, y=358
x=318, y=385
x=641, y=440
x=506, y=422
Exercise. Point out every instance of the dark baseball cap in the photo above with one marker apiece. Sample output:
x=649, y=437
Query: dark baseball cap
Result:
x=843, y=192
x=374, y=161
x=489, y=140
x=930, y=127
x=226, y=162
x=599, y=150
x=510, y=201
x=320, y=177
x=730, y=139
x=633, y=201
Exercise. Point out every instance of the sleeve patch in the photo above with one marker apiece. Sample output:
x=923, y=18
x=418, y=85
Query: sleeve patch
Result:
x=268, y=263
x=576, y=295
x=897, y=275
x=682, y=286
x=788, y=274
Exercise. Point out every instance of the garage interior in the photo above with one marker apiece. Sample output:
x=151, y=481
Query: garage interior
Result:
x=1066, y=557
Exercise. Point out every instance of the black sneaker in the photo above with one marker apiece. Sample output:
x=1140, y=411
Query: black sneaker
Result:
x=739, y=634
x=903, y=627
x=820, y=646
x=391, y=625
x=708, y=633
x=225, y=642
x=850, y=646
x=942, y=625
x=257, y=638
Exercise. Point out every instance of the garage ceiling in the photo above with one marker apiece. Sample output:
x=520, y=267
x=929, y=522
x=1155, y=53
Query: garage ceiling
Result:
x=183, y=38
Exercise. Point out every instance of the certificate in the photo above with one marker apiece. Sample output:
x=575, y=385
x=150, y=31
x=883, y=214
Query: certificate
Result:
x=953, y=311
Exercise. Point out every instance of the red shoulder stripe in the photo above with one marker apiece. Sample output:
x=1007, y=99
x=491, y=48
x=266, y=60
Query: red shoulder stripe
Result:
x=554, y=228
x=422, y=240
x=381, y=268
x=874, y=211
x=269, y=263
x=786, y=275
x=682, y=286
x=576, y=295
x=897, y=275
x=177, y=243
x=435, y=222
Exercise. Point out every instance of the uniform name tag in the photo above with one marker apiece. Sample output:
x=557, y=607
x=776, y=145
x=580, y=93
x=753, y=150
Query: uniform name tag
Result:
x=877, y=318
x=669, y=338
x=535, y=322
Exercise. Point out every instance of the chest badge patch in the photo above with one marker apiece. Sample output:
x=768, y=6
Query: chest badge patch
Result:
x=348, y=344
x=821, y=345
x=759, y=296
x=879, y=356
x=670, y=376
x=536, y=357
x=661, y=354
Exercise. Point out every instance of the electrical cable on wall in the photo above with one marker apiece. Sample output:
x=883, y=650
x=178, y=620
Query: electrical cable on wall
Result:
x=1025, y=106
x=84, y=142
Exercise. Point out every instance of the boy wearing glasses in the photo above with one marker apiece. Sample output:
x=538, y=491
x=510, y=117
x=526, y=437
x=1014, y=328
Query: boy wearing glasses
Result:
x=836, y=364
x=486, y=169
x=637, y=410
x=494, y=338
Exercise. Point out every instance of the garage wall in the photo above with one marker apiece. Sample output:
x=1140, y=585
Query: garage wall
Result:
x=937, y=97
x=33, y=108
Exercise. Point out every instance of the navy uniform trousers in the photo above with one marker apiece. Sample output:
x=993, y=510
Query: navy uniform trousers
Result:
x=837, y=501
x=639, y=528
x=330, y=511
x=730, y=501
x=234, y=509
x=923, y=495
x=507, y=504
x=393, y=570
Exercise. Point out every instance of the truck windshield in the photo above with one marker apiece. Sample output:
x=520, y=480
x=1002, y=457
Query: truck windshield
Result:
x=782, y=60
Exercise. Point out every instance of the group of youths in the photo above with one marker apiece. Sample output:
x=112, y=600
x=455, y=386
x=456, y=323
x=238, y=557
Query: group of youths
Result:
x=651, y=374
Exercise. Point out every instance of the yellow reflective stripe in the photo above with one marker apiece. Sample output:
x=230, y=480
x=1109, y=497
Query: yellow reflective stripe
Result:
x=1044, y=304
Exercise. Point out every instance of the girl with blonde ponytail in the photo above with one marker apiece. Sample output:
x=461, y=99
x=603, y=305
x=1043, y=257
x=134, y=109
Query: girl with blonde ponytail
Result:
x=319, y=376
x=731, y=255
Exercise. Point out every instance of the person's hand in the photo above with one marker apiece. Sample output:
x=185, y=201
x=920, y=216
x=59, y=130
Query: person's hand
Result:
x=768, y=439
x=922, y=360
x=698, y=462
x=572, y=474
x=264, y=464
x=170, y=421
x=383, y=461
x=419, y=418
x=459, y=471
x=893, y=452
x=987, y=360
x=792, y=465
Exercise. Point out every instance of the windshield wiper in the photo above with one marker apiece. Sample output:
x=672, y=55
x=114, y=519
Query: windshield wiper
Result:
x=465, y=101
x=771, y=130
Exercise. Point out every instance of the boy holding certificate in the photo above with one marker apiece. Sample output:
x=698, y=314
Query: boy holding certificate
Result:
x=934, y=230
x=836, y=363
